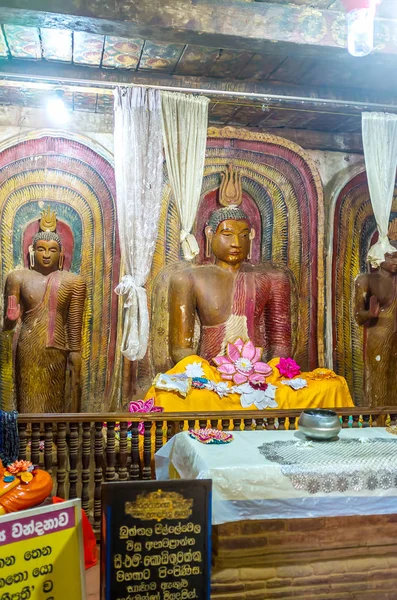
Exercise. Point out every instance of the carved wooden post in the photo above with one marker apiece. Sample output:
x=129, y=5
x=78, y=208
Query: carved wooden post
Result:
x=247, y=424
x=110, y=451
x=259, y=424
x=135, y=463
x=237, y=424
x=202, y=423
x=35, y=444
x=356, y=419
x=147, y=451
x=345, y=421
x=214, y=423
x=171, y=425
x=23, y=440
x=98, y=475
x=61, y=460
x=281, y=423
x=366, y=419
x=48, y=443
x=85, y=471
x=123, y=474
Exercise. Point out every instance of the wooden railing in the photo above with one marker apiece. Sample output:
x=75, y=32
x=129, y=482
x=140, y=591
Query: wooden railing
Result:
x=83, y=450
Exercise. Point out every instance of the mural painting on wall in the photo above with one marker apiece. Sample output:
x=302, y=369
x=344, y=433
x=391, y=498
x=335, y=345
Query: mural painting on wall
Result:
x=279, y=194
x=72, y=180
x=364, y=307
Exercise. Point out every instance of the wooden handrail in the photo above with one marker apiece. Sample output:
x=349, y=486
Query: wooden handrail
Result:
x=185, y=416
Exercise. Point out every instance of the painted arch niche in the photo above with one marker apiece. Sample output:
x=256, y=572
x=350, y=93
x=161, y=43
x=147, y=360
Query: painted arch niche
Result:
x=282, y=193
x=78, y=183
x=355, y=231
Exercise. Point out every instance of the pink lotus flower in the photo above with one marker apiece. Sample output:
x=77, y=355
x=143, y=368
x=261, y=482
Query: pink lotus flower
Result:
x=143, y=406
x=242, y=363
x=288, y=367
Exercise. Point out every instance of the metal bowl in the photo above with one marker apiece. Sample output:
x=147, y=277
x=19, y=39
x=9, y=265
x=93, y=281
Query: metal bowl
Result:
x=319, y=424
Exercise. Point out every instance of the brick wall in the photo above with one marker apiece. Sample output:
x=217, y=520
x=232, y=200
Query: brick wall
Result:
x=341, y=558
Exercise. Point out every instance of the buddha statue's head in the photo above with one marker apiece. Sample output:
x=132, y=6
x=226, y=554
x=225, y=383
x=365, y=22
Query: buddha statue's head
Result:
x=45, y=253
x=228, y=232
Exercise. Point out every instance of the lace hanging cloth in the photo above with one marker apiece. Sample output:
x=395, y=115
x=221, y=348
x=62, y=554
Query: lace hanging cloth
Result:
x=380, y=151
x=138, y=160
x=185, y=121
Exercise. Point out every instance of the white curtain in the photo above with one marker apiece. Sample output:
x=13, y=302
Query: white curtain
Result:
x=380, y=151
x=138, y=162
x=185, y=121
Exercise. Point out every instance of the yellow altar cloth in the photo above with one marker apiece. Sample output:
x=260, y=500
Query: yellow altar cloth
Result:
x=324, y=389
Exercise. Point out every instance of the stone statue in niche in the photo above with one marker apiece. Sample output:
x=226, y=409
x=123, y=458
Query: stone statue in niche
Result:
x=376, y=310
x=231, y=297
x=49, y=303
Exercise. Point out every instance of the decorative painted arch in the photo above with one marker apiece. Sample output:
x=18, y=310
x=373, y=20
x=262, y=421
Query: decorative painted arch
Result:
x=354, y=228
x=283, y=185
x=78, y=183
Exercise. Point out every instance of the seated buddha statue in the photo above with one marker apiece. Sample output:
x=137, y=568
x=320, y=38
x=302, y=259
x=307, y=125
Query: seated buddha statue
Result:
x=231, y=298
x=49, y=304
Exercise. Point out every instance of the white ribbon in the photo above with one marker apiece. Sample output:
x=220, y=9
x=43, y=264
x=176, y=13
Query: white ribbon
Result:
x=190, y=246
x=136, y=318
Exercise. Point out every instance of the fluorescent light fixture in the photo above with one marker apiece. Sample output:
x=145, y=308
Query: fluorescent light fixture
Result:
x=56, y=108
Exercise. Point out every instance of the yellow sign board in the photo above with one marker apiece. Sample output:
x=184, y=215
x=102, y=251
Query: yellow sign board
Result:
x=41, y=554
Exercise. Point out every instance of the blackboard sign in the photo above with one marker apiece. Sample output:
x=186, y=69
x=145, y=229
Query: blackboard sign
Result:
x=156, y=540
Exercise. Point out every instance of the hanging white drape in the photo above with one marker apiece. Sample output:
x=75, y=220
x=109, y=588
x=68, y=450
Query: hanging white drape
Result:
x=138, y=163
x=380, y=151
x=185, y=121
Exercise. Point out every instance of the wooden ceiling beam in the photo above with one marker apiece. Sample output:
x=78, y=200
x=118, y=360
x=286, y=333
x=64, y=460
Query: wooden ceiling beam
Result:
x=254, y=26
x=68, y=74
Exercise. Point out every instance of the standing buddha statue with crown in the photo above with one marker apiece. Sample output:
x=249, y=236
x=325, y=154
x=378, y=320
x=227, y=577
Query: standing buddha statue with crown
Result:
x=48, y=301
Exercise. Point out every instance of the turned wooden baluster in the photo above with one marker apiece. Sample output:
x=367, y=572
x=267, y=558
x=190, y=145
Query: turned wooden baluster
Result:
x=366, y=419
x=345, y=421
x=191, y=424
x=110, y=473
x=202, y=424
x=61, y=460
x=123, y=473
x=393, y=418
x=225, y=424
x=73, y=455
x=247, y=424
x=281, y=423
x=135, y=468
x=270, y=423
x=356, y=419
x=147, y=451
x=171, y=429
x=159, y=435
x=236, y=424
x=35, y=444
x=98, y=473
x=85, y=463
x=23, y=440
x=214, y=423
x=259, y=424
x=48, y=443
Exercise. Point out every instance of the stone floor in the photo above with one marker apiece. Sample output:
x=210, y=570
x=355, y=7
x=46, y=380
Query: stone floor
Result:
x=92, y=582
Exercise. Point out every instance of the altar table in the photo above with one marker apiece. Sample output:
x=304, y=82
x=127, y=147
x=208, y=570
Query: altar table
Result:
x=281, y=475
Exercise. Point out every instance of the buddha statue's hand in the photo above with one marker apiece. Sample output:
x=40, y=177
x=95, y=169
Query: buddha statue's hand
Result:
x=13, y=309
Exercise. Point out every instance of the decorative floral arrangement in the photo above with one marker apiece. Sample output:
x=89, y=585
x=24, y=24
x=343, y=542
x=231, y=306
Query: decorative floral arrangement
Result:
x=211, y=436
x=23, y=469
x=141, y=406
x=242, y=363
x=288, y=368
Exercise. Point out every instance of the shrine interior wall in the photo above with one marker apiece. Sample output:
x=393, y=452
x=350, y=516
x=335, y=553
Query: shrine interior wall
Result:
x=96, y=132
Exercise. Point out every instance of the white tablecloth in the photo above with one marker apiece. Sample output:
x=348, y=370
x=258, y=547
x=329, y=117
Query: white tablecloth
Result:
x=255, y=482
